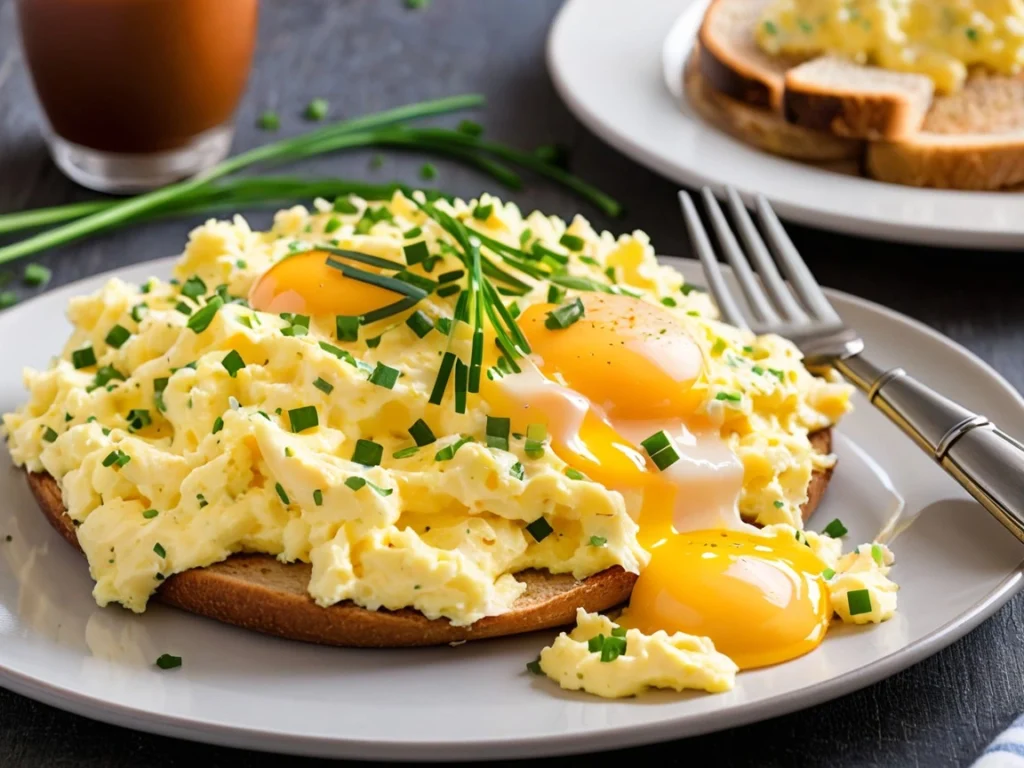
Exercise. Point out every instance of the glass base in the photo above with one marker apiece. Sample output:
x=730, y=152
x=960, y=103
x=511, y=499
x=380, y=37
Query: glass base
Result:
x=120, y=173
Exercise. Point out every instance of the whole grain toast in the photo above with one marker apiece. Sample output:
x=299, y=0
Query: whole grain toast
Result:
x=259, y=592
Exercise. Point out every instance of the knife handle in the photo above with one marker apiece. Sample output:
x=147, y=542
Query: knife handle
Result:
x=986, y=461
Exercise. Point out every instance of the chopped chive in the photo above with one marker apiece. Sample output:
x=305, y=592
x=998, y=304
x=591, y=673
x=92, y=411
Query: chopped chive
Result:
x=49, y=435
x=443, y=324
x=346, y=327
x=117, y=336
x=405, y=453
x=598, y=541
x=281, y=494
x=450, y=277
x=333, y=224
x=876, y=553
x=574, y=474
x=202, y=500
x=770, y=28
x=384, y=376
x=344, y=205
x=356, y=483
x=105, y=374
x=757, y=369
x=409, y=234
x=661, y=449
x=316, y=109
x=565, y=315
x=268, y=121
x=166, y=661
x=555, y=294
x=828, y=573
x=423, y=283
x=533, y=667
x=535, y=436
x=540, y=529
x=613, y=647
x=421, y=433
x=416, y=253
x=183, y=308
x=118, y=457
x=233, y=363
x=448, y=453
x=835, y=529
x=368, y=453
x=427, y=171
x=778, y=504
x=448, y=290
x=859, y=601
x=572, y=242
x=318, y=497
x=194, y=287
x=719, y=347
x=303, y=418
x=498, y=429
x=972, y=34
x=36, y=275
x=595, y=644
x=159, y=549
x=149, y=514
x=517, y=470
x=138, y=418
x=218, y=425
x=780, y=375
x=483, y=212
x=461, y=385
x=619, y=632
x=201, y=320
x=525, y=236
x=420, y=324
x=139, y=311
x=84, y=357
x=513, y=310
x=730, y=397
x=324, y=386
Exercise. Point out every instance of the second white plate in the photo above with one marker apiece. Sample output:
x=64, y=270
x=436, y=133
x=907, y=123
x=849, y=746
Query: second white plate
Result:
x=619, y=67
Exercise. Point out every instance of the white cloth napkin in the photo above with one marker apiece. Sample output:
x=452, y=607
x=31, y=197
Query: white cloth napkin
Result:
x=1006, y=750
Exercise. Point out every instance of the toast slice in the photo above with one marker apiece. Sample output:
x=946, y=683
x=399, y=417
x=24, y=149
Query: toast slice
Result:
x=767, y=130
x=972, y=140
x=731, y=60
x=259, y=592
x=847, y=99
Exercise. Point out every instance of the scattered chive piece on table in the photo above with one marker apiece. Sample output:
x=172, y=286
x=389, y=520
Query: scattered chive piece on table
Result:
x=117, y=336
x=37, y=275
x=8, y=299
x=835, y=529
x=324, y=386
x=598, y=541
x=859, y=601
x=316, y=109
x=540, y=529
x=303, y=418
x=428, y=171
x=565, y=315
x=368, y=453
x=268, y=121
x=167, y=661
x=534, y=667
x=233, y=363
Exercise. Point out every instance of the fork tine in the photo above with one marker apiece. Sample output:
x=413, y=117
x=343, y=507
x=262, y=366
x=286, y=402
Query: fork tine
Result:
x=712, y=271
x=759, y=305
x=793, y=265
x=766, y=268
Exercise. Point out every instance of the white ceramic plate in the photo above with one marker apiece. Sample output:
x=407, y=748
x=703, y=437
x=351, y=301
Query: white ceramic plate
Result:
x=618, y=65
x=956, y=565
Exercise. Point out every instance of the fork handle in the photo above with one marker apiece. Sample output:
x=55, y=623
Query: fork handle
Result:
x=986, y=461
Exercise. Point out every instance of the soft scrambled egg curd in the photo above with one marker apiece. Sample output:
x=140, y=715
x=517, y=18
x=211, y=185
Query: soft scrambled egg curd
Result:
x=422, y=399
x=941, y=39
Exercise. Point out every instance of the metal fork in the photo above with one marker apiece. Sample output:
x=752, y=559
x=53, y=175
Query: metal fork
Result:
x=986, y=461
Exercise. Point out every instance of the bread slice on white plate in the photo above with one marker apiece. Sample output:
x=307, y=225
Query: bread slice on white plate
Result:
x=845, y=98
x=731, y=60
x=766, y=129
x=972, y=139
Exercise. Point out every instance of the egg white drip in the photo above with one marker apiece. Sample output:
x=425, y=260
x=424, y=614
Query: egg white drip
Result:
x=708, y=475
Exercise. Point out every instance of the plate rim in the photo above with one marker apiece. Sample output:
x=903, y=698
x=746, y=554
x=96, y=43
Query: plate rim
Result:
x=269, y=740
x=965, y=234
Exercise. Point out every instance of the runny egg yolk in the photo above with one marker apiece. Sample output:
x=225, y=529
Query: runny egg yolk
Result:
x=624, y=371
x=760, y=598
x=304, y=284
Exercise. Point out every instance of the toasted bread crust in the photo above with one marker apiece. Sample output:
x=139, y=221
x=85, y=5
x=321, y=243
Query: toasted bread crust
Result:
x=850, y=115
x=767, y=130
x=260, y=593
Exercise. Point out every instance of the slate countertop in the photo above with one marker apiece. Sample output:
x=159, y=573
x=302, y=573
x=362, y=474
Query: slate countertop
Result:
x=364, y=56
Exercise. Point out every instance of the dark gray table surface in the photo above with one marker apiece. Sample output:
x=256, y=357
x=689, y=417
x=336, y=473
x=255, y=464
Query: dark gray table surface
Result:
x=365, y=55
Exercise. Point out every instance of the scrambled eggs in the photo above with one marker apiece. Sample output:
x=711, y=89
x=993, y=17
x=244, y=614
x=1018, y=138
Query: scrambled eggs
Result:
x=602, y=658
x=937, y=38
